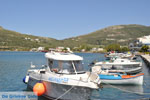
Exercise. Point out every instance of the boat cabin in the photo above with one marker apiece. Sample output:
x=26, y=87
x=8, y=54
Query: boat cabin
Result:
x=64, y=63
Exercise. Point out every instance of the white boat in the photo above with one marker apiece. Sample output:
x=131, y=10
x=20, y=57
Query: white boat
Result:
x=122, y=55
x=121, y=65
x=120, y=61
x=117, y=78
x=64, y=77
x=122, y=79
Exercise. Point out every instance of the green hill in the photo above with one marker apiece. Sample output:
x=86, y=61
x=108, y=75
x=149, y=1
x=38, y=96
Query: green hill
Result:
x=13, y=40
x=121, y=34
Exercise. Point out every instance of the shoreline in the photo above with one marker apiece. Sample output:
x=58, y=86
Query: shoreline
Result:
x=43, y=52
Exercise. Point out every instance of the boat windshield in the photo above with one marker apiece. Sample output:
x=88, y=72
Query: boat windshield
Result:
x=78, y=65
x=67, y=67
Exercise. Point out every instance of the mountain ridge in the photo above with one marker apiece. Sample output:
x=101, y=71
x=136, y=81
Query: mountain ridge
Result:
x=12, y=39
x=120, y=34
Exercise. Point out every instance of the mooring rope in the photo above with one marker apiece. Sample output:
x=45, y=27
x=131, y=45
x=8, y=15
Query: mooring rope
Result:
x=65, y=93
x=140, y=93
x=127, y=90
x=70, y=89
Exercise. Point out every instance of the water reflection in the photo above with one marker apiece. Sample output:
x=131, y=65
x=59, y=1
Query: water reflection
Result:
x=117, y=92
x=137, y=89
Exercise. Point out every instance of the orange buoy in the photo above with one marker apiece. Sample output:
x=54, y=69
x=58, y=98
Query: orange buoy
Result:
x=39, y=89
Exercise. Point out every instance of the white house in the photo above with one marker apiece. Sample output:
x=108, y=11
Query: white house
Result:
x=145, y=40
x=40, y=48
x=59, y=49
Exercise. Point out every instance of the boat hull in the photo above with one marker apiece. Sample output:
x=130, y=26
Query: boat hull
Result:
x=138, y=80
x=129, y=71
x=60, y=91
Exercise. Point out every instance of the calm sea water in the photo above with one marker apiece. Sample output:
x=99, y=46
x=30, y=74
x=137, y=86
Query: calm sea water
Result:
x=13, y=67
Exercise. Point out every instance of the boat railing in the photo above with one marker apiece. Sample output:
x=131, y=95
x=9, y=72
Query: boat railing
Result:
x=69, y=73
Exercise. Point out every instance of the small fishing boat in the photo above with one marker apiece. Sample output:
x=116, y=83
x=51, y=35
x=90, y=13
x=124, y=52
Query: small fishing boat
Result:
x=120, y=61
x=122, y=55
x=122, y=79
x=125, y=70
x=118, y=78
x=63, y=77
x=121, y=65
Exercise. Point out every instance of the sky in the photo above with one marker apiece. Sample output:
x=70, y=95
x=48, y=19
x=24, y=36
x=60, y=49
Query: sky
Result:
x=62, y=19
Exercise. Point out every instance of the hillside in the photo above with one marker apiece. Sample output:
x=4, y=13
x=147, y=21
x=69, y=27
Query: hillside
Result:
x=121, y=34
x=14, y=40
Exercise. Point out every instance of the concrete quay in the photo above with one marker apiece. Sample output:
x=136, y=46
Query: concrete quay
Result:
x=146, y=59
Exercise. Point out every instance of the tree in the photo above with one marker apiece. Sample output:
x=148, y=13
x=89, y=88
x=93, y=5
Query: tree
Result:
x=86, y=47
x=124, y=49
x=65, y=49
x=144, y=48
x=113, y=47
x=46, y=48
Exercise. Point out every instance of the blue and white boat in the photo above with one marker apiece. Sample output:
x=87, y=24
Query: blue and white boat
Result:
x=118, y=78
x=122, y=79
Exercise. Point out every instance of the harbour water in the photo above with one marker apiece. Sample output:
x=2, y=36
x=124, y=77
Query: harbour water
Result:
x=14, y=65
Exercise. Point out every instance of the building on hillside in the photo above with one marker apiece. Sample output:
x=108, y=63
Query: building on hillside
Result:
x=145, y=40
x=33, y=49
x=52, y=49
x=83, y=50
x=60, y=49
x=137, y=44
x=100, y=49
x=94, y=49
x=63, y=49
x=40, y=48
x=97, y=49
x=37, y=40
x=68, y=49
